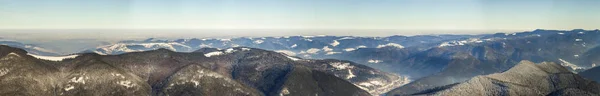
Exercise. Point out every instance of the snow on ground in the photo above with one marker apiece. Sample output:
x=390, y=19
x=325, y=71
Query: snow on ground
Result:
x=335, y=43
x=311, y=51
x=70, y=87
x=293, y=58
x=350, y=75
x=331, y=53
x=216, y=53
x=286, y=52
x=52, y=58
x=391, y=44
x=126, y=83
x=569, y=65
x=458, y=43
x=230, y=50
x=327, y=49
x=374, y=61
x=258, y=41
x=77, y=80
x=341, y=65
x=361, y=46
x=294, y=46
x=349, y=49
x=245, y=49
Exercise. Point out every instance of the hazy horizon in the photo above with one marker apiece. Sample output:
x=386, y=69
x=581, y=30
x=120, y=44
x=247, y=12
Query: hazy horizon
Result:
x=300, y=14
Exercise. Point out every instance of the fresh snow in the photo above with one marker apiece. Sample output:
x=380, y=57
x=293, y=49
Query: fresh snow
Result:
x=52, y=58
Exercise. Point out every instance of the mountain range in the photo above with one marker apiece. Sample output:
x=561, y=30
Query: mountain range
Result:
x=422, y=64
x=232, y=71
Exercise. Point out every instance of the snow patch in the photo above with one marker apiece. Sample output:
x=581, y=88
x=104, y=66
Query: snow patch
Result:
x=294, y=46
x=361, y=46
x=286, y=52
x=258, y=41
x=284, y=91
x=230, y=50
x=126, y=83
x=335, y=43
x=346, y=38
x=216, y=53
x=4, y=71
x=341, y=65
x=391, y=44
x=69, y=87
x=225, y=40
x=578, y=39
x=374, y=61
x=311, y=51
x=14, y=54
x=77, y=80
x=331, y=53
x=349, y=49
x=459, y=43
x=293, y=58
x=245, y=49
x=569, y=64
x=350, y=75
x=561, y=33
x=52, y=58
x=327, y=49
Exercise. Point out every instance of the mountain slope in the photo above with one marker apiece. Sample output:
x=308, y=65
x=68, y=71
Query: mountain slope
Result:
x=236, y=71
x=469, y=60
x=591, y=74
x=526, y=78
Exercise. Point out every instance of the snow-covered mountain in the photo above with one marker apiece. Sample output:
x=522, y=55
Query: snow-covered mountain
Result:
x=302, y=46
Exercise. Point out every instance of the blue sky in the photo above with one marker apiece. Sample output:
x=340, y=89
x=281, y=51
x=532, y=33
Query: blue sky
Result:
x=300, y=14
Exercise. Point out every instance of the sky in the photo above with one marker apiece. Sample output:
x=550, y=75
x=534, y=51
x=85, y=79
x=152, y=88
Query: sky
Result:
x=486, y=15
